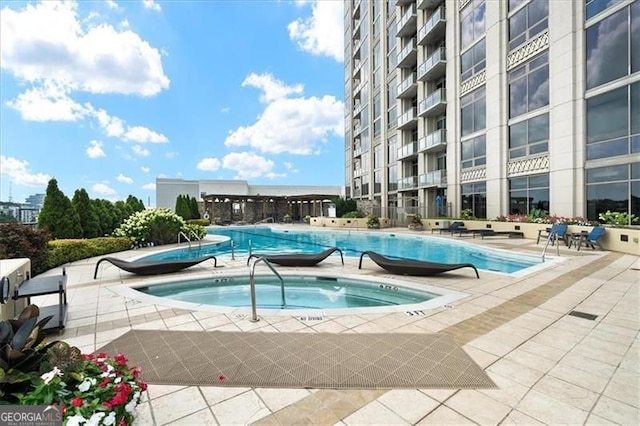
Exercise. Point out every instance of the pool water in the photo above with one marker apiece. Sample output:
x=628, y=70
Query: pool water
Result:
x=265, y=240
x=301, y=292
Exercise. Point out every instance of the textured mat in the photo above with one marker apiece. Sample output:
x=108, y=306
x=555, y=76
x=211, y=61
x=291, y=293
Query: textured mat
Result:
x=300, y=360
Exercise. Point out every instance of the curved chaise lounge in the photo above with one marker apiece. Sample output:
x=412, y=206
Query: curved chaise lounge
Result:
x=299, y=259
x=152, y=268
x=411, y=267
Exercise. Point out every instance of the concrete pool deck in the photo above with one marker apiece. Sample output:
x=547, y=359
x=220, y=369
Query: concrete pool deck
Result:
x=550, y=367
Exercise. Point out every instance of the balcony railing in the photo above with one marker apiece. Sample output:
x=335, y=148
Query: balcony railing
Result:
x=407, y=117
x=434, y=66
x=408, y=54
x=433, y=140
x=356, y=6
x=434, y=104
x=404, y=88
x=357, y=173
x=407, y=23
x=428, y=4
x=408, y=150
x=435, y=178
x=410, y=182
x=358, y=108
x=434, y=28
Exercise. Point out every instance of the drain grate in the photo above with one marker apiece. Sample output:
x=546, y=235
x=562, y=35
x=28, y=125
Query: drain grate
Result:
x=584, y=315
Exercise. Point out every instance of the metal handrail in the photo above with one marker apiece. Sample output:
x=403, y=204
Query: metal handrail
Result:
x=252, y=285
x=186, y=237
x=551, y=237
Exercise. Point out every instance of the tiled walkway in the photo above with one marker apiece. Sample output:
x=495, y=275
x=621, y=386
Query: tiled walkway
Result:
x=551, y=367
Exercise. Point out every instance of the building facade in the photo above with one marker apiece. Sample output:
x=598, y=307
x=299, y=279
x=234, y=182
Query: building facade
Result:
x=493, y=106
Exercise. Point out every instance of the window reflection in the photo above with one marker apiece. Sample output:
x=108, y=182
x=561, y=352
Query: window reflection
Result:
x=607, y=49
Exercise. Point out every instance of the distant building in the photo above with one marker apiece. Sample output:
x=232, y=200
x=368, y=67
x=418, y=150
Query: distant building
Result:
x=236, y=200
x=36, y=200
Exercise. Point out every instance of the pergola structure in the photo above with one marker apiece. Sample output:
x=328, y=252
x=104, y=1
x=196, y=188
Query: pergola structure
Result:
x=226, y=208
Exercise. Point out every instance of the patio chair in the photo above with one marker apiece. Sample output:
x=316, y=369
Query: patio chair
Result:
x=298, y=259
x=454, y=227
x=416, y=268
x=556, y=232
x=590, y=239
x=143, y=267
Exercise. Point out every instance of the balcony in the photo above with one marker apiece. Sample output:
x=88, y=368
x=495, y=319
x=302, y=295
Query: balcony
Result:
x=408, y=150
x=408, y=183
x=403, y=2
x=433, y=29
x=434, y=67
x=357, y=65
x=357, y=109
x=437, y=178
x=357, y=173
x=356, y=49
x=433, y=142
x=408, y=120
x=356, y=28
x=407, y=25
x=407, y=57
x=358, y=87
x=428, y=4
x=408, y=88
x=434, y=104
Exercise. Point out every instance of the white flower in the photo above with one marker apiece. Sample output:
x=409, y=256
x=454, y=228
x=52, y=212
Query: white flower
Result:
x=85, y=385
x=111, y=419
x=131, y=406
x=117, y=380
x=47, y=377
x=95, y=419
x=76, y=420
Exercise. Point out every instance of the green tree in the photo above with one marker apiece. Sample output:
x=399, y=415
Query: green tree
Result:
x=193, y=206
x=89, y=220
x=58, y=215
x=7, y=218
x=182, y=207
x=135, y=204
x=123, y=211
x=344, y=206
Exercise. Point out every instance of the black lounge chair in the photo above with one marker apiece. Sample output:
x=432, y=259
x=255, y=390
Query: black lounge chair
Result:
x=153, y=268
x=298, y=259
x=454, y=227
x=412, y=267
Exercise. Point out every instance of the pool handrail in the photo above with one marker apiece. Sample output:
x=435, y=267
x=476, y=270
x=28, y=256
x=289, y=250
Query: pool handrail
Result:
x=252, y=285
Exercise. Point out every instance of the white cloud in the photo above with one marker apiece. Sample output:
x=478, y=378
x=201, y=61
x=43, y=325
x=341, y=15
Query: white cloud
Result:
x=225, y=110
x=247, y=165
x=103, y=189
x=48, y=102
x=47, y=42
x=142, y=134
x=290, y=167
x=292, y=125
x=171, y=154
x=145, y=169
x=19, y=173
x=151, y=5
x=113, y=126
x=150, y=186
x=322, y=33
x=95, y=150
x=272, y=88
x=209, y=164
x=112, y=4
x=124, y=179
x=140, y=151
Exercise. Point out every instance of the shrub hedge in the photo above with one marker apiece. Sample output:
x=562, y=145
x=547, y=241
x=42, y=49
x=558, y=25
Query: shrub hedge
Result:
x=18, y=240
x=64, y=251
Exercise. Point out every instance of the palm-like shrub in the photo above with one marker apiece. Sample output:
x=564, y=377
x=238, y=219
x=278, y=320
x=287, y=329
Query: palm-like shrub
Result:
x=156, y=226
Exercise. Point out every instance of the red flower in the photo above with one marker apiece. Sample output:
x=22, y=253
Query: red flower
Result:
x=136, y=372
x=143, y=386
x=121, y=359
x=102, y=355
x=122, y=422
x=222, y=378
x=104, y=382
x=88, y=357
x=107, y=405
x=77, y=402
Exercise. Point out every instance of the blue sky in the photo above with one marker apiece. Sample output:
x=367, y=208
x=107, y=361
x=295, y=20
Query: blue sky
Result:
x=108, y=95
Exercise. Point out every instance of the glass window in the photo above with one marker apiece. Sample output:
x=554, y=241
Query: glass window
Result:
x=472, y=23
x=473, y=60
x=635, y=36
x=474, y=152
x=392, y=178
x=596, y=6
x=529, y=86
x=607, y=49
x=528, y=22
x=529, y=137
x=474, y=197
x=614, y=188
x=473, y=113
x=528, y=193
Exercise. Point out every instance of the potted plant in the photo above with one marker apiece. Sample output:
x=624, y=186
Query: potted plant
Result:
x=373, y=222
x=415, y=222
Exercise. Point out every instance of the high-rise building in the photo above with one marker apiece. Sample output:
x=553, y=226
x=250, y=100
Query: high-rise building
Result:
x=496, y=106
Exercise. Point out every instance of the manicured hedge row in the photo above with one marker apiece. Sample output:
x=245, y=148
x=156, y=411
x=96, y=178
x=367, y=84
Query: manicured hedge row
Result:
x=65, y=251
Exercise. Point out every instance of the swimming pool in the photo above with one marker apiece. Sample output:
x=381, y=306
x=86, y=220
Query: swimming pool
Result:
x=304, y=292
x=267, y=240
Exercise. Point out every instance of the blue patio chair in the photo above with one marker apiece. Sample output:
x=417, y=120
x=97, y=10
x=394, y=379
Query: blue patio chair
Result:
x=558, y=231
x=590, y=239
